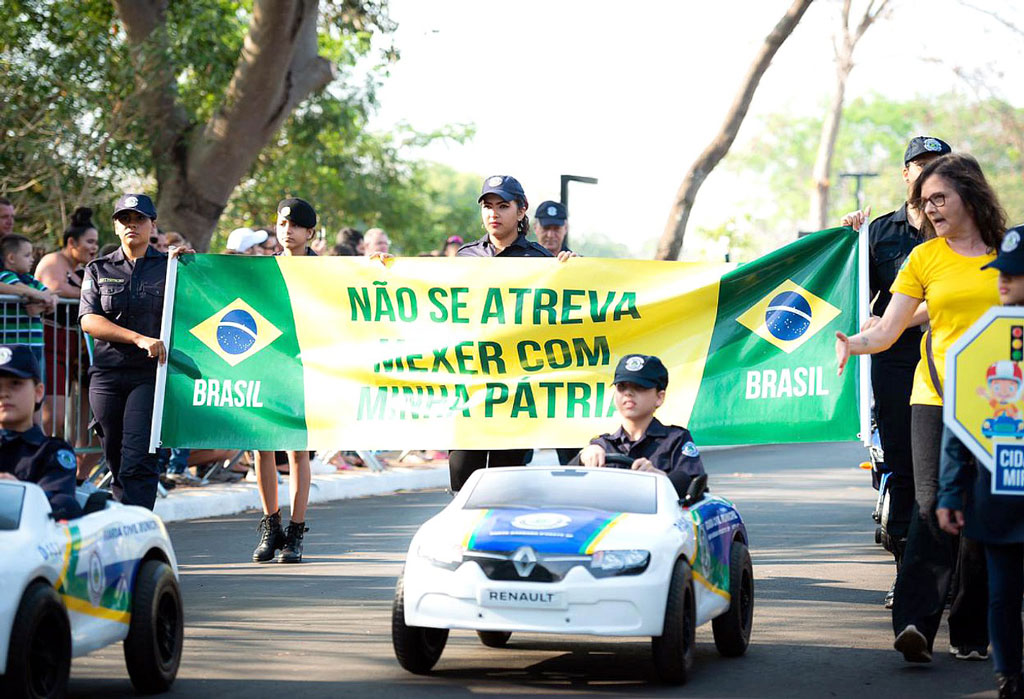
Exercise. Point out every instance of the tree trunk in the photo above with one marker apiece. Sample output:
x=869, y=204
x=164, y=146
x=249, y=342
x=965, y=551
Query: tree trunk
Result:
x=198, y=166
x=846, y=42
x=671, y=241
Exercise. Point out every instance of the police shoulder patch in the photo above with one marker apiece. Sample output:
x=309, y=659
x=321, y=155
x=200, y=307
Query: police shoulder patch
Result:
x=690, y=449
x=67, y=460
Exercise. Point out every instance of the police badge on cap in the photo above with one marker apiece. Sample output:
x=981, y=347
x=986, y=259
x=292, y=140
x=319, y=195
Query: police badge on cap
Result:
x=552, y=213
x=298, y=211
x=1010, y=260
x=139, y=203
x=645, y=371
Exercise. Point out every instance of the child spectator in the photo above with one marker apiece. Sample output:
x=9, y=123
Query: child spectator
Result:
x=21, y=324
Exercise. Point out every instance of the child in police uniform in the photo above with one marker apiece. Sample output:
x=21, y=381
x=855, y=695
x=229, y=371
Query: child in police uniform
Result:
x=296, y=225
x=966, y=503
x=640, y=383
x=26, y=454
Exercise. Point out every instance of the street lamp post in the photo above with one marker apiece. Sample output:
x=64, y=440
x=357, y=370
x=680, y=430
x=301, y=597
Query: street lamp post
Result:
x=857, y=177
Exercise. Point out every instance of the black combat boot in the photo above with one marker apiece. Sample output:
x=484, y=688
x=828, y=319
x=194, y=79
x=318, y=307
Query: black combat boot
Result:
x=271, y=538
x=291, y=552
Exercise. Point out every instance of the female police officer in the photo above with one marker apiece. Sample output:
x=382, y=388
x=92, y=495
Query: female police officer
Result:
x=122, y=301
x=503, y=208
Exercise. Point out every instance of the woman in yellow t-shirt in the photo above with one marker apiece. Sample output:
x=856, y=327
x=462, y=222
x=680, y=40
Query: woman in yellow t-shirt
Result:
x=963, y=226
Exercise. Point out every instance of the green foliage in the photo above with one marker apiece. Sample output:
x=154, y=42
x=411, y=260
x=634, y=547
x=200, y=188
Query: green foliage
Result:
x=776, y=163
x=71, y=132
x=599, y=245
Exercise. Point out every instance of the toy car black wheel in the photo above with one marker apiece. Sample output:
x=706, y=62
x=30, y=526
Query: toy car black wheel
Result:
x=417, y=648
x=39, y=661
x=732, y=629
x=494, y=639
x=673, y=649
x=152, y=650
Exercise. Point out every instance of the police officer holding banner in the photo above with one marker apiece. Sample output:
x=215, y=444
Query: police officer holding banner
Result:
x=891, y=237
x=122, y=303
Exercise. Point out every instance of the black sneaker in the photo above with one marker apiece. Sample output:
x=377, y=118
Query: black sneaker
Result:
x=271, y=538
x=291, y=552
x=890, y=596
x=913, y=645
x=1009, y=686
x=969, y=652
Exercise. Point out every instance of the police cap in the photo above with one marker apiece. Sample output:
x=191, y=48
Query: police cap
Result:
x=643, y=370
x=506, y=187
x=298, y=211
x=18, y=360
x=135, y=202
x=925, y=145
x=1010, y=259
x=551, y=213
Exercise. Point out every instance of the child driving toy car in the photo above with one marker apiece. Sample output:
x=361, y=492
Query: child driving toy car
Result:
x=26, y=453
x=640, y=383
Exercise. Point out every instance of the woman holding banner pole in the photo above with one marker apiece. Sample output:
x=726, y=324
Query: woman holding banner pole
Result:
x=503, y=207
x=963, y=226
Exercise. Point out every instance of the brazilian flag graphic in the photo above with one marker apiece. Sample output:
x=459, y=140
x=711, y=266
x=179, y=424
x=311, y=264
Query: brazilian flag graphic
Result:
x=327, y=353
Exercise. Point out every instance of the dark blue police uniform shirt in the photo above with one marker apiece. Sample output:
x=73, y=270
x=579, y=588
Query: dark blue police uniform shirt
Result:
x=670, y=448
x=520, y=247
x=890, y=240
x=46, y=461
x=129, y=294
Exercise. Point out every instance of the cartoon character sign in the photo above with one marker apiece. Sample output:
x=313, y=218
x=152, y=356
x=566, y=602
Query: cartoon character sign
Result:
x=1004, y=381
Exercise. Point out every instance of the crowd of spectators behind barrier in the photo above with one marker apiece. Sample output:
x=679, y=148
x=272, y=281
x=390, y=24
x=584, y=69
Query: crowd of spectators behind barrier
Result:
x=58, y=274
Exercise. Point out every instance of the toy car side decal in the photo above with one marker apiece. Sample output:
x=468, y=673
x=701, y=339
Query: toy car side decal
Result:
x=561, y=531
x=713, y=523
x=89, y=585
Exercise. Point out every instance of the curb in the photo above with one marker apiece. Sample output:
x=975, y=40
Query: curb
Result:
x=231, y=498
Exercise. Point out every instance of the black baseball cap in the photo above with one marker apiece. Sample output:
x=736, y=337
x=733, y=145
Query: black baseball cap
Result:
x=551, y=213
x=925, y=145
x=1010, y=259
x=298, y=211
x=18, y=360
x=135, y=202
x=643, y=370
x=506, y=187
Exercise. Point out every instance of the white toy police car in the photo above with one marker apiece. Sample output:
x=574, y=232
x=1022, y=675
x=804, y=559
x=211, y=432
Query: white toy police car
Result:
x=570, y=550
x=69, y=588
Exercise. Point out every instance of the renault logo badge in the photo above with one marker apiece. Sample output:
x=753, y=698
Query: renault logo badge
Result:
x=524, y=559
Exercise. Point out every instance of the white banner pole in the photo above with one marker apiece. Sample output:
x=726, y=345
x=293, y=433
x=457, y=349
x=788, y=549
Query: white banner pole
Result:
x=165, y=337
x=863, y=310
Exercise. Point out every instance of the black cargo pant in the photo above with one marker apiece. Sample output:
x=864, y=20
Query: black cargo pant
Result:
x=933, y=559
x=892, y=380
x=463, y=462
x=122, y=407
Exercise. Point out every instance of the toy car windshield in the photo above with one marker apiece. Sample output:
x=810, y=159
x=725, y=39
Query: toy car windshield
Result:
x=595, y=489
x=11, y=498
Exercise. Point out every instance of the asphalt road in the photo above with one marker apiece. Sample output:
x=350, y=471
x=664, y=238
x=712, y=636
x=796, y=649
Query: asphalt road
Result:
x=323, y=628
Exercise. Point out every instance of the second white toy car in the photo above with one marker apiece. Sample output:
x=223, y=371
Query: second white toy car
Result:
x=566, y=550
x=69, y=588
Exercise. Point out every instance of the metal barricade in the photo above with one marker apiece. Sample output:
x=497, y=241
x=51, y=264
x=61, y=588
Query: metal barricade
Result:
x=63, y=354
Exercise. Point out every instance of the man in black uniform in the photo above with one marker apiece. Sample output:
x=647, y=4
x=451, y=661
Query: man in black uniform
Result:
x=26, y=454
x=551, y=226
x=640, y=383
x=890, y=239
x=121, y=307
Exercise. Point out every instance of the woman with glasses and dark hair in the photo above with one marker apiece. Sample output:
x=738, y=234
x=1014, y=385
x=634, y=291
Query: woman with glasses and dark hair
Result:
x=963, y=225
x=121, y=307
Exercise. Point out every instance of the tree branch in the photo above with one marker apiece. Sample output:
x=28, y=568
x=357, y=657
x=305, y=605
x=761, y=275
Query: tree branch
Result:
x=671, y=241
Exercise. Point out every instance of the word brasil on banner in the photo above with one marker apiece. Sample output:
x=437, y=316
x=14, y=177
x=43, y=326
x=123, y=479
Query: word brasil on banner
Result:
x=298, y=353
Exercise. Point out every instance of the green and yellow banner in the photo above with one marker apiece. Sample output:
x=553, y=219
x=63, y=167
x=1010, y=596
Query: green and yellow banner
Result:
x=429, y=353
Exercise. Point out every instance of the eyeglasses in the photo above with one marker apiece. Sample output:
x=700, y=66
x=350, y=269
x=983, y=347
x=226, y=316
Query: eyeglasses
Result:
x=937, y=200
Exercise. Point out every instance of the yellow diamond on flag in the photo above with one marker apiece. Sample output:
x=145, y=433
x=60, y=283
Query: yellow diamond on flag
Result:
x=788, y=316
x=236, y=332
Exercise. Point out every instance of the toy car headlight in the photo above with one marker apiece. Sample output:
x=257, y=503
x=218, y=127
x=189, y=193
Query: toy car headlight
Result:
x=447, y=556
x=627, y=562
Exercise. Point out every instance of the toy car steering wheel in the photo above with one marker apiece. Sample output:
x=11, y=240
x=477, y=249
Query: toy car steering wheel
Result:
x=619, y=460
